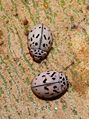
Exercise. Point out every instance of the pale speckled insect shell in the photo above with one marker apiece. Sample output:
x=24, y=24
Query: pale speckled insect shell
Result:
x=40, y=37
x=56, y=87
x=38, y=30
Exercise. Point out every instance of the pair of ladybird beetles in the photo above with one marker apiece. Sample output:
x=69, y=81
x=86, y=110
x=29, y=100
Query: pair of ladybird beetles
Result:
x=49, y=84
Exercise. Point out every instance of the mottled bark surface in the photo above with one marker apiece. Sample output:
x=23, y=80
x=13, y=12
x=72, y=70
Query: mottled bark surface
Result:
x=69, y=23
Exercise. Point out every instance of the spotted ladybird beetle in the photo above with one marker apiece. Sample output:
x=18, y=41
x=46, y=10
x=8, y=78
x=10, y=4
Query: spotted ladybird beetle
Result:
x=39, y=42
x=50, y=85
